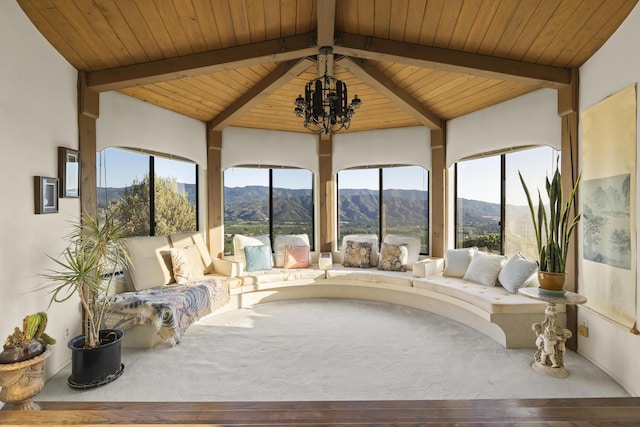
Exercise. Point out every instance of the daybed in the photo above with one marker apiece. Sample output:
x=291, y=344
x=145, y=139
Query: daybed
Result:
x=170, y=282
x=255, y=274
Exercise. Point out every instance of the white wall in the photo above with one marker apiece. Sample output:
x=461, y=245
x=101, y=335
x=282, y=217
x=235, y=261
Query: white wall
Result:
x=244, y=146
x=128, y=122
x=614, y=67
x=38, y=113
x=530, y=119
x=402, y=146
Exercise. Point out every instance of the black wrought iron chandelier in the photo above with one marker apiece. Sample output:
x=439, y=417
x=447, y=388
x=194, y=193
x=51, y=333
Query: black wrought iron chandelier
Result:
x=324, y=106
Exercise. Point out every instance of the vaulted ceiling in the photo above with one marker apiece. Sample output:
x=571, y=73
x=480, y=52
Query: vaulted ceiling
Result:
x=243, y=62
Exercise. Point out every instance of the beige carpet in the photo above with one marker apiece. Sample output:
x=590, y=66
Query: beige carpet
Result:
x=323, y=349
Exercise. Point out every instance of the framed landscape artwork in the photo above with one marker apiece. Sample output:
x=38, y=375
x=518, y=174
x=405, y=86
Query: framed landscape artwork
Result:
x=69, y=172
x=46, y=194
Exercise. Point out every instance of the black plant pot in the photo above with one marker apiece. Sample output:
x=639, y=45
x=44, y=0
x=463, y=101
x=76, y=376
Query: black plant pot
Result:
x=93, y=367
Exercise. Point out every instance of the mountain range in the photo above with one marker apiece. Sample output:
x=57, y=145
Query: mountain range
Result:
x=251, y=203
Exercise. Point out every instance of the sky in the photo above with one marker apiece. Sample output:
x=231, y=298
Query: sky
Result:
x=478, y=179
x=124, y=166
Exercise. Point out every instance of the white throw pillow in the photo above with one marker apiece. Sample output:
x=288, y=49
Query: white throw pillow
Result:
x=288, y=239
x=240, y=241
x=413, y=247
x=371, y=238
x=456, y=261
x=484, y=268
x=517, y=273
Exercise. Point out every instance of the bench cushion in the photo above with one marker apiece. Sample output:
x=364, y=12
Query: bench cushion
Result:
x=372, y=275
x=491, y=299
x=280, y=275
x=150, y=262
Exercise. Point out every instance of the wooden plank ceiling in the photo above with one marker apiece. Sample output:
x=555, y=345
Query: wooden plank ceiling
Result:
x=243, y=62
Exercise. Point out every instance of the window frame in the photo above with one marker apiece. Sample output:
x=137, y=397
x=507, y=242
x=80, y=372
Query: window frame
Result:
x=312, y=237
x=152, y=179
x=503, y=191
x=380, y=192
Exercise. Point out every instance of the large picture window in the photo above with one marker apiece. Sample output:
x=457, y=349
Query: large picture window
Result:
x=386, y=200
x=491, y=208
x=267, y=201
x=149, y=194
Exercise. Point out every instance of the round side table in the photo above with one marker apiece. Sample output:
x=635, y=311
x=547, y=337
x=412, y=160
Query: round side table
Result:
x=550, y=337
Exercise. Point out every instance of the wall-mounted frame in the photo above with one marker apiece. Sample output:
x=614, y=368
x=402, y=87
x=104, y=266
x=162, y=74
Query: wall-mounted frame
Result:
x=46, y=194
x=69, y=172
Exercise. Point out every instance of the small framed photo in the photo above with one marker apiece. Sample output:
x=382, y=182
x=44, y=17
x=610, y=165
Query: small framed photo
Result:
x=46, y=192
x=69, y=172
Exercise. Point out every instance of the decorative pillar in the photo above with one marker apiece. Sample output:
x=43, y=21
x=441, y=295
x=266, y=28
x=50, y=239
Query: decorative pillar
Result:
x=437, y=211
x=327, y=219
x=215, y=206
x=88, y=112
x=568, y=107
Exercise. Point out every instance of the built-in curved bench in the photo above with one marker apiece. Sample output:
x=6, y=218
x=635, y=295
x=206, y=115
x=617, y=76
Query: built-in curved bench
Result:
x=502, y=316
x=508, y=322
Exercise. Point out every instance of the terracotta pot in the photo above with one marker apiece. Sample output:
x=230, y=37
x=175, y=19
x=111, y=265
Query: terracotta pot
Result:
x=20, y=382
x=552, y=281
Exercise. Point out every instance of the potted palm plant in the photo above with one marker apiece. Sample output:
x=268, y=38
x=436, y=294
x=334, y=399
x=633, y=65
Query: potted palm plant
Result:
x=553, y=230
x=86, y=268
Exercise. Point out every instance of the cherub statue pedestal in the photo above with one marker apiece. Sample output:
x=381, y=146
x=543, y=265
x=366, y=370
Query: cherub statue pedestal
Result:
x=551, y=337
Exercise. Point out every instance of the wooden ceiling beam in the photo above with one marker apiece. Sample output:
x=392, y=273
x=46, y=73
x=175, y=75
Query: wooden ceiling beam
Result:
x=452, y=61
x=326, y=22
x=326, y=10
x=374, y=78
x=283, y=49
x=265, y=88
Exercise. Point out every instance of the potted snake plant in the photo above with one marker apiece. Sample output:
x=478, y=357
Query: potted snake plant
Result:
x=86, y=268
x=553, y=229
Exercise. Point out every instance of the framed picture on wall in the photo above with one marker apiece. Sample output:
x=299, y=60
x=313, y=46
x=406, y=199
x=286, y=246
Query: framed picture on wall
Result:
x=46, y=194
x=69, y=172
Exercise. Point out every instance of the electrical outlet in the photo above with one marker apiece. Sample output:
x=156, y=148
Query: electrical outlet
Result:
x=67, y=332
x=583, y=330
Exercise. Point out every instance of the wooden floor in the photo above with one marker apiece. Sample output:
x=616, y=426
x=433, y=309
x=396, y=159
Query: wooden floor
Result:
x=521, y=412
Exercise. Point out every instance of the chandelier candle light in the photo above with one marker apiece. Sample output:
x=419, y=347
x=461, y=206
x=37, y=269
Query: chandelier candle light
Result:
x=324, y=106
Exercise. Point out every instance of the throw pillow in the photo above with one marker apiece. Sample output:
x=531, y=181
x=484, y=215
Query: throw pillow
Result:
x=456, y=261
x=371, y=238
x=180, y=266
x=484, y=268
x=240, y=241
x=296, y=256
x=357, y=254
x=393, y=257
x=517, y=273
x=281, y=241
x=258, y=257
x=413, y=247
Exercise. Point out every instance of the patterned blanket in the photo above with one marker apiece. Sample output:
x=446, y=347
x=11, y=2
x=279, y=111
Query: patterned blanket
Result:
x=171, y=309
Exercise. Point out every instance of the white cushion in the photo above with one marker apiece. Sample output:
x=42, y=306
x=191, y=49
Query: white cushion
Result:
x=371, y=238
x=413, y=246
x=456, y=261
x=240, y=241
x=288, y=239
x=484, y=268
x=150, y=262
x=189, y=238
x=517, y=273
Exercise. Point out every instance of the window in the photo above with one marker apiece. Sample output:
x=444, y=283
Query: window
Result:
x=267, y=201
x=478, y=198
x=535, y=165
x=381, y=201
x=137, y=188
x=491, y=207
